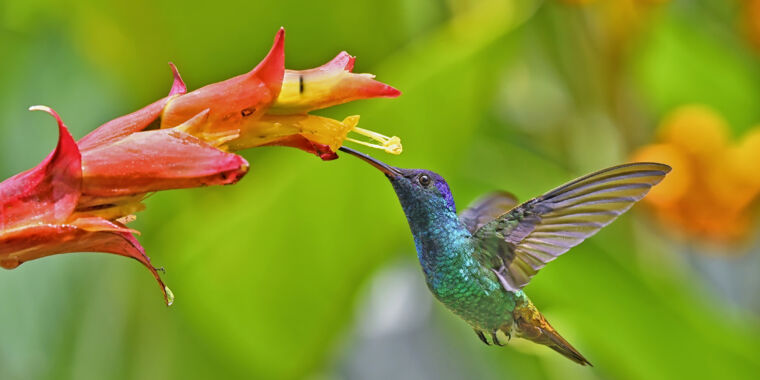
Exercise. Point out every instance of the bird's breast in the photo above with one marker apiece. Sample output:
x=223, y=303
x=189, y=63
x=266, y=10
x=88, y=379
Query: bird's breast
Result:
x=445, y=250
x=469, y=290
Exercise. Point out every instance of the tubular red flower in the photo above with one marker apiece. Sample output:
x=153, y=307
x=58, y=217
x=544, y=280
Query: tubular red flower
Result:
x=38, y=216
x=80, y=197
x=76, y=199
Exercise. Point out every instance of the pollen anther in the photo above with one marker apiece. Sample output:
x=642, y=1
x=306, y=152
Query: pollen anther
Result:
x=390, y=145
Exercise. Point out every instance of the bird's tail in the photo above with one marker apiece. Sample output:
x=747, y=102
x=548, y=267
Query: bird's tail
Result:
x=530, y=324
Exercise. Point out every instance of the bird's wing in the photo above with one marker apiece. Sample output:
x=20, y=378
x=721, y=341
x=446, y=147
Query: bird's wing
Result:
x=487, y=208
x=517, y=244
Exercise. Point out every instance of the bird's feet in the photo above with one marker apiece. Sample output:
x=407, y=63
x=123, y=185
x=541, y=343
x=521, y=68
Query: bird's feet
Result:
x=494, y=337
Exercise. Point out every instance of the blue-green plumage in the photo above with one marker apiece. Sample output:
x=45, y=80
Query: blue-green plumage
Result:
x=477, y=263
x=445, y=250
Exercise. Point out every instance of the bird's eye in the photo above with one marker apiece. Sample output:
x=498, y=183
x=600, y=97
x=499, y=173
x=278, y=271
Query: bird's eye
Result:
x=424, y=180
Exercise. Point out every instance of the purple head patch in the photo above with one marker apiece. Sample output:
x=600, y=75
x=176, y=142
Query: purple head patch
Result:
x=443, y=187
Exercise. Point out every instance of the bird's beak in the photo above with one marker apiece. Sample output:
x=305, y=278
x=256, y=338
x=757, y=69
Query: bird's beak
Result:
x=389, y=171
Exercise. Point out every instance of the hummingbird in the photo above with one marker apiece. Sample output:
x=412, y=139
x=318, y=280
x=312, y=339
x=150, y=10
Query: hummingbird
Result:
x=478, y=262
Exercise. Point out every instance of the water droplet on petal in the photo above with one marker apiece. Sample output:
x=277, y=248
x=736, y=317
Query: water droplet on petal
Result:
x=169, y=296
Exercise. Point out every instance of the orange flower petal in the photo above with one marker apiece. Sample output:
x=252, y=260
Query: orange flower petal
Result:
x=235, y=99
x=328, y=85
x=157, y=160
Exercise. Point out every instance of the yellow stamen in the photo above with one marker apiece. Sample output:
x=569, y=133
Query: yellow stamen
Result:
x=109, y=208
x=390, y=145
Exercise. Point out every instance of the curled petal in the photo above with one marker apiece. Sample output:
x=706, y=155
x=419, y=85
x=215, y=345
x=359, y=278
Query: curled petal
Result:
x=157, y=160
x=233, y=100
x=82, y=235
x=330, y=84
x=47, y=193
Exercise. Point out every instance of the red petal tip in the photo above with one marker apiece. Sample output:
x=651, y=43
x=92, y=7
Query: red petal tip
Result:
x=278, y=48
x=391, y=92
x=232, y=176
x=133, y=249
x=374, y=89
x=271, y=69
x=51, y=112
x=328, y=156
x=47, y=193
x=178, y=86
x=66, y=142
x=323, y=151
x=279, y=41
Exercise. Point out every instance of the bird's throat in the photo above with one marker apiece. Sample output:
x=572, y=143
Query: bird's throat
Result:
x=438, y=233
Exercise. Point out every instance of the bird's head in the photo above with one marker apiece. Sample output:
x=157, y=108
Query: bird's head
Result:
x=417, y=189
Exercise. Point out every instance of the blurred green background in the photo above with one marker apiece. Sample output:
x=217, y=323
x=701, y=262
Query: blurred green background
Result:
x=306, y=269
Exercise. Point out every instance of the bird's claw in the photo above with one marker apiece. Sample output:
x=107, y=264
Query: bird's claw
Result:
x=495, y=339
x=482, y=337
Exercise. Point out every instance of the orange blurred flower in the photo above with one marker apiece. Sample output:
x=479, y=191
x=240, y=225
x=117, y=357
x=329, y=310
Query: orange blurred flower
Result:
x=715, y=182
x=750, y=21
